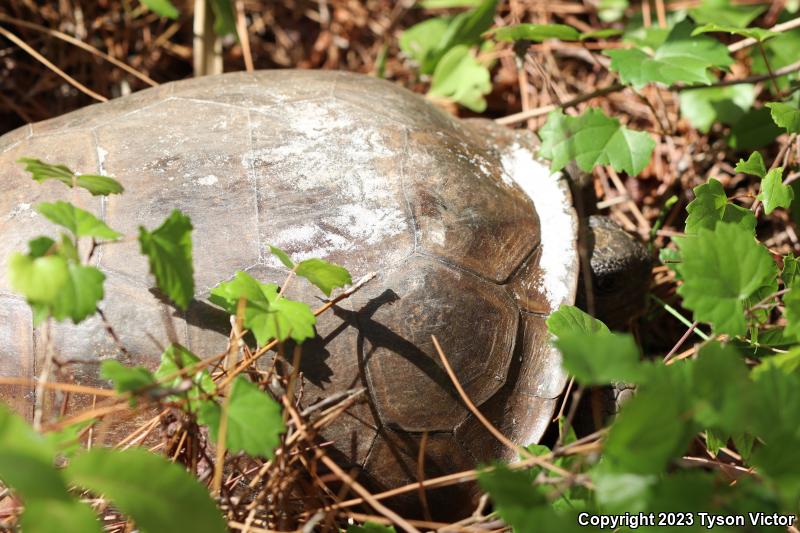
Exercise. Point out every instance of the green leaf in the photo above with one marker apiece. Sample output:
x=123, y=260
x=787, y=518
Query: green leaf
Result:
x=429, y=41
x=535, y=32
x=791, y=270
x=446, y=4
x=570, y=319
x=753, y=131
x=594, y=139
x=785, y=115
x=81, y=223
x=77, y=299
x=41, y=246
x=370, y=527
x=622, y=492
x=759, y=34
x=773, y=192
x=126, y=378
x=324, y=275
x=754, y=165
x=175, y=358
x=460, y=78
x=599, y=358
x=611, y=10
x=652, y=428
x=721, y=269
x=162, y=8
x=791, y=311
x=282, y=256
x=224, y=17
x=419, y=42
x=53, y=285
x=519, y=503
x=39, y=279
x=26, y=466
x=710, y=206
x=64, y=516
x=96, y=185
x=715, y=442
x=246, y=405
x=726, y=105
x=788, y=362
x=266, y=315
x=719, y=375
x=681, y=58
x=156, y=493
x=169, y=251
x=67, y=441
x=605, y=33
x=723, y=12
x=781, y=51
x=466, y=28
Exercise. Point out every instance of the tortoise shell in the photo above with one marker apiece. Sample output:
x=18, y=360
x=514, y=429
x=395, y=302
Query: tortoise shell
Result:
x=472, y=239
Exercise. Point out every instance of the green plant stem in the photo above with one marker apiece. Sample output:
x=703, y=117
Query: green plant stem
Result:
x=683, y=320
x=769, y=69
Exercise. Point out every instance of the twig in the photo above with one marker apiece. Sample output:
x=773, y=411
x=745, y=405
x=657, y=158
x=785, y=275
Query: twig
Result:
x=80, y=44
x=39, y=57
x=244, y=37
x=778, y=28
x=540, y=111
x=681, y=341
x=44, y=375
x=66, y=387
x=357, y=487
x=488, y=425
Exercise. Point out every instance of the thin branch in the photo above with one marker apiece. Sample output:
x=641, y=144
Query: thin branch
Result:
x=80, y=44
x=778, y=28
x=543, y=110
x=46, y=62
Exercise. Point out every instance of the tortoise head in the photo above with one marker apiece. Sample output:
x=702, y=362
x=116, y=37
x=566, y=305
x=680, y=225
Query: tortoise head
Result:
x=620, y=267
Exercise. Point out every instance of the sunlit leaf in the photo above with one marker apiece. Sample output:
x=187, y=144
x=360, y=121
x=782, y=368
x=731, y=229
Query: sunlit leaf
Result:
x=81, y=223
x=786, y=116
x=594, y=139
x=774, y=193
x=460, y=78
x=570, y=319
x=162, y=8
x=723, y=12
x=759, y=34
x=535, y=32
x=126, y=378
x=711, y=205
x=169, y=251
x=266, y=315
x=754, y=165
x=717, y=294
x=247, y=403
x=324, y=275
x=708, y=105
x=96, y=185
x=681, y=58
x=282, y=256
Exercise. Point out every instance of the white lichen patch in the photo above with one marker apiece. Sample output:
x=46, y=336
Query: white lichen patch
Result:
x=354, y=180
x=208, y=180
x=550, y=196
x=102, y=154
x=21, y=209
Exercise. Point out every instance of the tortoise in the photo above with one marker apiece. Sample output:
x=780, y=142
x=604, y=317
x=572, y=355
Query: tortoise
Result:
x=473, y=240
